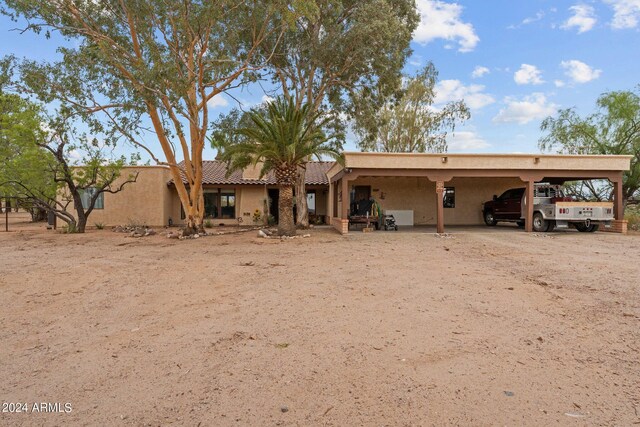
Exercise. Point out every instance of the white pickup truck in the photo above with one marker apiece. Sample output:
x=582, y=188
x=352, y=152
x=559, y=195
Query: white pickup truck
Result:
x=551, y=209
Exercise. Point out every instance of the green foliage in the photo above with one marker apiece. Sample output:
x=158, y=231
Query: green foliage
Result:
x=632, y=215
x=613, y=129
x=347, y=44
x=409, y=124
x=26, y=168
x=99, y=225
x=158, y=60
x=282, y=137
x=208, y=223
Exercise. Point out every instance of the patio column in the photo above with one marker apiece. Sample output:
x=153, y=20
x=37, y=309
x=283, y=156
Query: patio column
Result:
x=440, y=206
x=344, y=213
x=330, y=203
x=528, y=220
x=618, y=200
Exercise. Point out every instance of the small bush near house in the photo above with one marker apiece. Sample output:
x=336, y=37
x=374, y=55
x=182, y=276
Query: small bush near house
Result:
x=632, y=215
x=271, y=220
x=257, y=216
x=208, y=223
x=69, y=229
x=99, y=225
x=135, y=223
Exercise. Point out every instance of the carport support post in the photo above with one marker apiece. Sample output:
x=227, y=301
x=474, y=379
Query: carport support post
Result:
x=528, y=221
x=440, y=207
x=618, y=200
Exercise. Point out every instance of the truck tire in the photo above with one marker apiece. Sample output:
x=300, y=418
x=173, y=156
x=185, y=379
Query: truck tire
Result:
x=540, y=225
x=583, y=228
x=489, y=219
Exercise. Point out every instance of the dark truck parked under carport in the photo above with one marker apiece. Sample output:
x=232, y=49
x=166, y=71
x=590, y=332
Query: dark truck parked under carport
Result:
x=551, y=209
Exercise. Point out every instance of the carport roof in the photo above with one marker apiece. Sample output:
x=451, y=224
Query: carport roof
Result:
x=445, y=162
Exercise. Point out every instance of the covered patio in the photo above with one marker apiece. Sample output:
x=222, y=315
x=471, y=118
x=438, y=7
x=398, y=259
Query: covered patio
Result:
x=421, y=182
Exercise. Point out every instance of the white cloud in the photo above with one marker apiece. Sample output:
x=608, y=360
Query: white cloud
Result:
x=626, y=13
x=528, y=75
x=583, y=18
x=465, y=141
x=479, y=71
x=579, y=72
x=454, y=90
x=266, y=99
x=532, y=107
x=559, y=83
x=441, y=20
x=528, y=20
x=217, y=101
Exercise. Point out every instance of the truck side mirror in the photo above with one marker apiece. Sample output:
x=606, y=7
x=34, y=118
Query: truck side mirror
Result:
x=495, y=197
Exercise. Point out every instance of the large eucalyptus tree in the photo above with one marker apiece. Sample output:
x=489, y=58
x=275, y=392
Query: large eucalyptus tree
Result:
x=157, y=62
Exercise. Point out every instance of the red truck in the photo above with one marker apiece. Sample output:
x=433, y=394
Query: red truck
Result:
x=551, y=209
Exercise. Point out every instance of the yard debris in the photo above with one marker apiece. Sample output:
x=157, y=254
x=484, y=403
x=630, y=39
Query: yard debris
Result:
x=509, y=393
x=574, y=415
x=445, y=235
x=266, y=234
x=284, y=409
x=134, y=230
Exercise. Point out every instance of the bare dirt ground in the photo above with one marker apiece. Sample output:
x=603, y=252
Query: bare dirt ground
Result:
x=384, y=328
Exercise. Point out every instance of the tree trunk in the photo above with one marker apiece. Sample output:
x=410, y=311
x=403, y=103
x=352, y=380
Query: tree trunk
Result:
x=302, y=212
x=195, y=225
x=286, y=225
x=81, y=225
x=195, y=215
x=81, y=221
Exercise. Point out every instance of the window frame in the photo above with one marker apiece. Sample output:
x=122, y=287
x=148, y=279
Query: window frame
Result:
x=85, y=197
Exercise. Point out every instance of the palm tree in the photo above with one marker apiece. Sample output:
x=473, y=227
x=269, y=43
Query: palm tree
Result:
x=281, y=137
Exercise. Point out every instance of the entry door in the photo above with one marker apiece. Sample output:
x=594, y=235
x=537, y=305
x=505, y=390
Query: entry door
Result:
x=274, y=196
x=362, y=192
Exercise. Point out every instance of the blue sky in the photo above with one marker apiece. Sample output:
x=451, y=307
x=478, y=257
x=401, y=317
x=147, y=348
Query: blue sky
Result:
x=513, y=62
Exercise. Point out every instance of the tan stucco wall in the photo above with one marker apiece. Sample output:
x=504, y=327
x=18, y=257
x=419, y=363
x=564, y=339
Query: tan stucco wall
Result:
x=419, y=195
x=248, y=199
x=146, y=201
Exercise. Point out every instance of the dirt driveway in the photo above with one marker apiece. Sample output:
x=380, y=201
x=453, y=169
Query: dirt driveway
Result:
x=367, y=329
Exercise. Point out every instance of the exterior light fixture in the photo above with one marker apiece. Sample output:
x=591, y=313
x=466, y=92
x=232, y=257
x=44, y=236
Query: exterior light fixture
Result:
x=445, y=159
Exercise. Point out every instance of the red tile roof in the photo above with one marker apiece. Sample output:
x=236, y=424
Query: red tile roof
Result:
x=214, y=172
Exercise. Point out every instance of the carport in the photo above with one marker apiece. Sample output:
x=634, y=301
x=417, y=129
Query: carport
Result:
x=424, y=179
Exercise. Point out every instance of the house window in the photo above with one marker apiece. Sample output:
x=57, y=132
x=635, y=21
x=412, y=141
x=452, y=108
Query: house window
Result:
x=211, y=205
x=219, y=203
x=311, y=201
x=449, y=197
x=87, y=194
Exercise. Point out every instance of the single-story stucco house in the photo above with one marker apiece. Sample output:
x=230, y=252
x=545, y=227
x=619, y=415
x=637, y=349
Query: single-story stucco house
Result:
x=413, y=186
